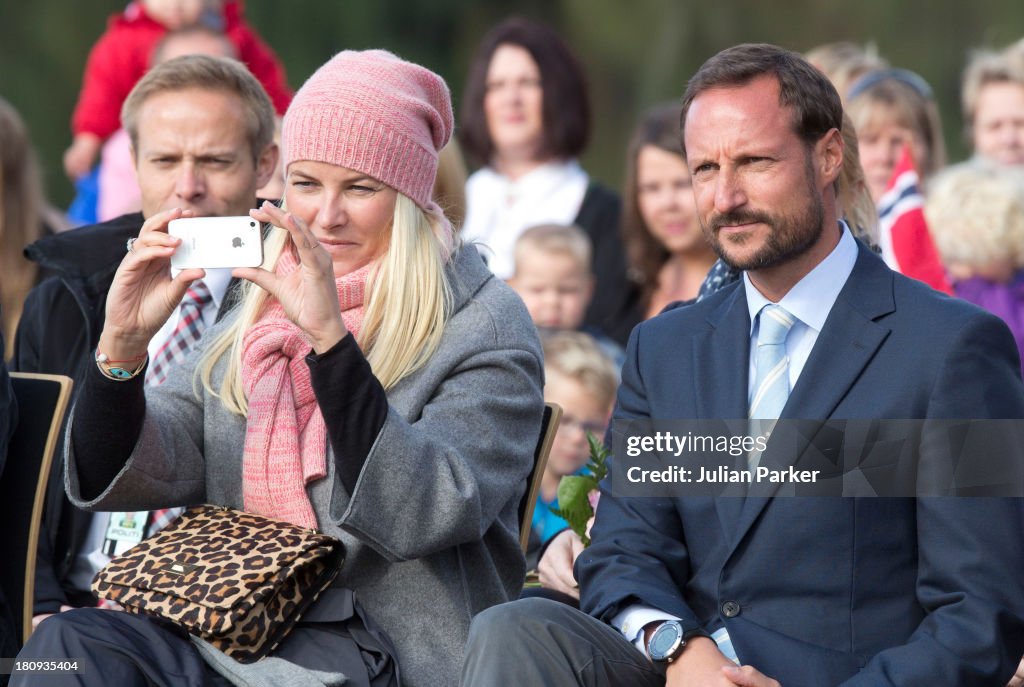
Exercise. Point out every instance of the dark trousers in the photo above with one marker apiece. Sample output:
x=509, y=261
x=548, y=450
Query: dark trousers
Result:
x=542, y=642
x=115, y=648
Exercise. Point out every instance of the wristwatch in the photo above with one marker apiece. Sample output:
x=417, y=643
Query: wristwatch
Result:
x=669, y=640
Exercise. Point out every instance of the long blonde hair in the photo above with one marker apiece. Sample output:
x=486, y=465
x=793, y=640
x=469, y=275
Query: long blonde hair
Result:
x=21, y=208
x=408, y=301
x=855, y=203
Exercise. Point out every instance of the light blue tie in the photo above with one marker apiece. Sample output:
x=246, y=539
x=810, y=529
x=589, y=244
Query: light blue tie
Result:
x=771, y=374
x=771, y=364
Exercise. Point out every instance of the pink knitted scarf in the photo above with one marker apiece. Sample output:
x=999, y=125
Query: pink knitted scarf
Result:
x=285, y=437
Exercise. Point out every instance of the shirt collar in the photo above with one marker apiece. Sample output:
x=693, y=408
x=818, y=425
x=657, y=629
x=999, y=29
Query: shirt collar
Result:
x=811, y=299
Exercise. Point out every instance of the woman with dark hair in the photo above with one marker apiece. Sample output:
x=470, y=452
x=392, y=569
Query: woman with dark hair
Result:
x=24, y=217
x=668, y=255
x=526, y=118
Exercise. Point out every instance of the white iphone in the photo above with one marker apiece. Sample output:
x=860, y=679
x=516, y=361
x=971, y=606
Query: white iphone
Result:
x=212, y=242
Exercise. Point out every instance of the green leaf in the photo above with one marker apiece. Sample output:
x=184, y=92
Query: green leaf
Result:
x=574, y=490
x=573, y=503
x=598, y=464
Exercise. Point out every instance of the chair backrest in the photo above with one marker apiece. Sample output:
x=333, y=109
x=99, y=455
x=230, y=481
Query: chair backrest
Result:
x=548, y=428
x=42, y=402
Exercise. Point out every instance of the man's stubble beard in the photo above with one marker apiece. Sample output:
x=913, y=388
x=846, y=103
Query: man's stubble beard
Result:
x=790, y=236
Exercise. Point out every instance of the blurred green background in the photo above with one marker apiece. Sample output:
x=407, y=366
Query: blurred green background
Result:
x=636, y=52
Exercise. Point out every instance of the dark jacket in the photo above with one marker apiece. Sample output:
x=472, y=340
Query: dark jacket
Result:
x=826, y=590
x=58, y=334
x=609, y=309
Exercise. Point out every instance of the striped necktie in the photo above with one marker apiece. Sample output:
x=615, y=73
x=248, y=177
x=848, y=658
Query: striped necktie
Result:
x=771, y=364
x=771, y=373
x=185, y=335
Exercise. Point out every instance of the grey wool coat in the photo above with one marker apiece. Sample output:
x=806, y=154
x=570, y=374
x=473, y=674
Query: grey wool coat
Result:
x=431, y=529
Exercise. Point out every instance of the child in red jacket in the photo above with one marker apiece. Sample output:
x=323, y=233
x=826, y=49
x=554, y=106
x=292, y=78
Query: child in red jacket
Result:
x=121, y=57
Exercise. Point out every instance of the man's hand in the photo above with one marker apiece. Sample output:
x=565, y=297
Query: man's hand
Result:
x=700, y=664
x=1018, y=678
x=555, y=568
x=748, y=676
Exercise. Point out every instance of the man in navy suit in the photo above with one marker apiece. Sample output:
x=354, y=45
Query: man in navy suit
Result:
x=790, y=591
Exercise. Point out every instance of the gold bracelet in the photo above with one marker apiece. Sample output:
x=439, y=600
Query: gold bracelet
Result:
x=112, y=369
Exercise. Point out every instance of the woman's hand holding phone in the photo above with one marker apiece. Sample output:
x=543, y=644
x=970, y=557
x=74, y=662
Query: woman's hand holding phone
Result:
x=308, y=295
x=143, y=296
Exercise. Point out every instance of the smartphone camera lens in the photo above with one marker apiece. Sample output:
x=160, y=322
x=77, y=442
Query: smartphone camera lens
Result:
x=252, y=224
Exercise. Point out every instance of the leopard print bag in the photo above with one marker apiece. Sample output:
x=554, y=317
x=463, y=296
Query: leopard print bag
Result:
x=238, y=580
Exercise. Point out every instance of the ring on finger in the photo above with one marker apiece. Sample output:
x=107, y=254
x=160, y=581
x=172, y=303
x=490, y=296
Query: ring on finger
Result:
x=130, y=245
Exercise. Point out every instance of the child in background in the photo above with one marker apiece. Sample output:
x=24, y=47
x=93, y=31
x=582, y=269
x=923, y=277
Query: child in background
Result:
x=122, y=55
x=975, y=212
x=581, y=379
x=552, y=276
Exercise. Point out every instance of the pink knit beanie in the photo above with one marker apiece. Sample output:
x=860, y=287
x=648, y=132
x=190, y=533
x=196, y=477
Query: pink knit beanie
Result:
x=374, y=113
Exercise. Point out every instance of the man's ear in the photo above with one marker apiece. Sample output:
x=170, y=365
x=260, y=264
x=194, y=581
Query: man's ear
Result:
x=829, y=151
x=266, y=165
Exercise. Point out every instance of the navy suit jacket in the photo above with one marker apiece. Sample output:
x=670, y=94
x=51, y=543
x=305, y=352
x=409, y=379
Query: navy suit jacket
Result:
x=826, y=590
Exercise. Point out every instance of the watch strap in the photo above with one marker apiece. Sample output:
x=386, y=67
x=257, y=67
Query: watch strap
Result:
x=696, y=632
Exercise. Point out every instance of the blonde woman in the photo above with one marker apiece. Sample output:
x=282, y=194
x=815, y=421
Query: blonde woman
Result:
x=892, y=108
x=376, y=382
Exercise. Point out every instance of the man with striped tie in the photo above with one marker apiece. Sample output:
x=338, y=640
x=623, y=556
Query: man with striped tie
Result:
x=202, y=138
x=748, y=590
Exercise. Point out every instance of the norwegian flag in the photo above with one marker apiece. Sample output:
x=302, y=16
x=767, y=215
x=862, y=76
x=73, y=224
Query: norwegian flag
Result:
x=903, y=233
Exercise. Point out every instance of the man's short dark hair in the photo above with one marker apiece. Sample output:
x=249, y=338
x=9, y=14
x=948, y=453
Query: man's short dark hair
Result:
x=566, y=108
x=816, y=106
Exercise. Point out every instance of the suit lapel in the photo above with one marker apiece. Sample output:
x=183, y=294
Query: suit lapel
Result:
x=724, y=354
x=848, y=341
